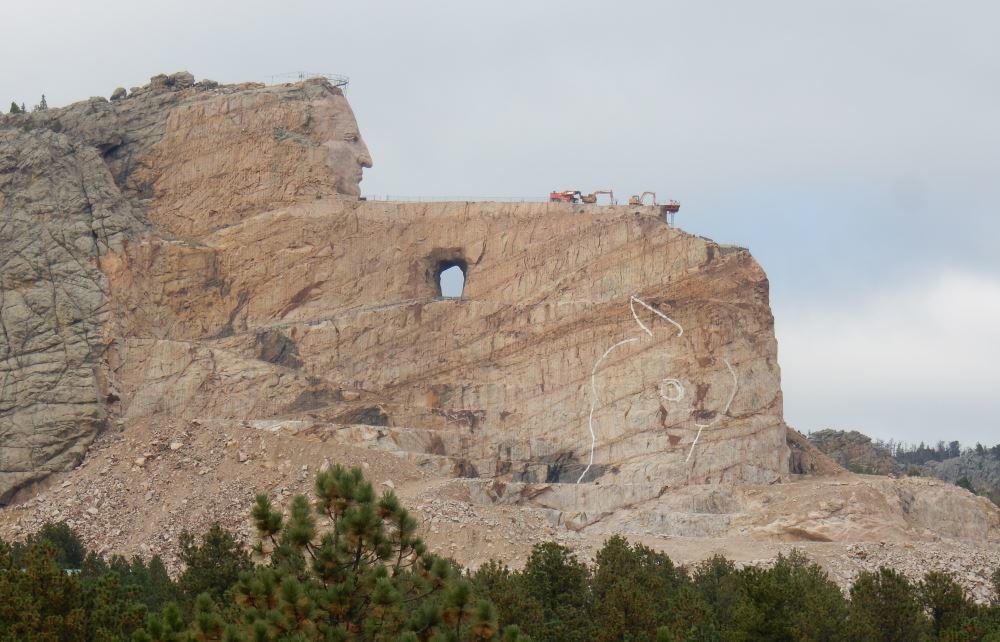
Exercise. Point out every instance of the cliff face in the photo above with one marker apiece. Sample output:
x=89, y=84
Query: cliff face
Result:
x=203, y=255
x=59, y=210
x=191, y=267
x=573, y=319
x=78, y=182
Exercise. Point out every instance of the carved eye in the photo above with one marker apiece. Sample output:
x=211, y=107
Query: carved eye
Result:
x=352, y=138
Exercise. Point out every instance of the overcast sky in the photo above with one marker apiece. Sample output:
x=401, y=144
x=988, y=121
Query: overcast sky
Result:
x=853, y=146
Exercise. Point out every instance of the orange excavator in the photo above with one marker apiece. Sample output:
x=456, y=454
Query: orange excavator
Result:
x=668, y=209
x=592, y=197
x=637, y=199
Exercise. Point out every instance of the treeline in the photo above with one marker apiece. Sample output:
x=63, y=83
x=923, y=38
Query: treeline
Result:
x=349, y=566
x=21, y=109
x=919, y=454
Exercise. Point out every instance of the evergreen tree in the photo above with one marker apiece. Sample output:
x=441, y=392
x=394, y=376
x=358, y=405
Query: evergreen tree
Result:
x=793, y=600
x=67, y=545
x=885, y=607
x=14, y=109
x=718, y=583
x=555, y=579
x=212, y=566
x=40, y=601
x=944, y=600
x=637, y=591
x=365, y=577
x=505, y=588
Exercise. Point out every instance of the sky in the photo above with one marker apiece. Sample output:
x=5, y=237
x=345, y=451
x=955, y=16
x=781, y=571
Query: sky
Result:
x=853, y=146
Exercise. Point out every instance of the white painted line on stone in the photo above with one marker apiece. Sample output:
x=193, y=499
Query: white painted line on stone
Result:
x=631, y=305
x=729, y=403
x=676, y=385
x=593, y=403
x=672, y=384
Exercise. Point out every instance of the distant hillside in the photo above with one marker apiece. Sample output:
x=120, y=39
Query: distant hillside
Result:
x=976, y=468
x=855, y=451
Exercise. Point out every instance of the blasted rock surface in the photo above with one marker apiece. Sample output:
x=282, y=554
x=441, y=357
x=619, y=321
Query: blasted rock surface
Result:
x=573, y=319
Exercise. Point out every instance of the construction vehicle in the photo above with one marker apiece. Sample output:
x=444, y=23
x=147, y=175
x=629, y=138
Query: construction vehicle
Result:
x=637, y=199
x=592, y=197
x=566, y=196
x=668, y=209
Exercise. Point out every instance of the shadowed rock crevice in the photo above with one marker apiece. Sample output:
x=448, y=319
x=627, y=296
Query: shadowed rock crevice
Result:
x=370, y=416
x=275, y=347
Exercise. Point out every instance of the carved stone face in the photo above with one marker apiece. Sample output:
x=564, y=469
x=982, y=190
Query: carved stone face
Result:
x=337, y=129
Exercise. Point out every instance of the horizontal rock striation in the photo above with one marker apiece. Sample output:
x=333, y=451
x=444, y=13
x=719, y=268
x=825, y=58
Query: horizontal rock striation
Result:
x=573, y=319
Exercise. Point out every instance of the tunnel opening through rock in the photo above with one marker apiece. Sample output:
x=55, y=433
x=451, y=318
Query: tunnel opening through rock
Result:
x=451, y=278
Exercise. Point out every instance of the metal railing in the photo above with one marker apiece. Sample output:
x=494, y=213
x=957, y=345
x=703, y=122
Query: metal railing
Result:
x=466, y=198
x=295, y=76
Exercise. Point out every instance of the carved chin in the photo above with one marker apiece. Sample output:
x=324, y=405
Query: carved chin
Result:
x=348, y=186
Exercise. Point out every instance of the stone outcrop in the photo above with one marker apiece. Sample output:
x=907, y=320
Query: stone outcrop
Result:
x=59, y=210
x=190, y=267
x=193, y=259
x=806, y=459
x=222, y=267
x=78, y=182
x=856, y=452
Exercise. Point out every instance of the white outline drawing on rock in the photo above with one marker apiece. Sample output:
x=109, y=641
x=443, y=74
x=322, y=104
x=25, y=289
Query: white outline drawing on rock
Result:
x=675, y=384
x=632, y=300
x=593, y=373
x=593, y=404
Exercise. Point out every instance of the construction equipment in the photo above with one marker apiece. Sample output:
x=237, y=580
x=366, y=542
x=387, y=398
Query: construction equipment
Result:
x=668, y=209
x=592, y=197
x=638, y=199
x=566, y=196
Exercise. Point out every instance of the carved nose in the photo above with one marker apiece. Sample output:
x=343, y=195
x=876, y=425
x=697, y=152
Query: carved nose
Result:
x=365, y=160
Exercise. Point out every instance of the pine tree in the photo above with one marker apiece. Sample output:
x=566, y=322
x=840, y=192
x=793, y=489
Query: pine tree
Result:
x=212, y=566
x=885, y=606
x=361, y=575
x=14, y=109
x=944, y=600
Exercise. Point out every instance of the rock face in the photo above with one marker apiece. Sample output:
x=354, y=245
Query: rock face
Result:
x=572, y=319
x=191, y=264
x=59, y=210
x=221, y=267
x=856, y=452
x=78, y=182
